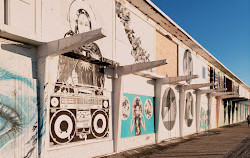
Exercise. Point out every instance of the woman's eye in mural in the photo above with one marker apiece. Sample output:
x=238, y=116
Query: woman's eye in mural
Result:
x=10, y=121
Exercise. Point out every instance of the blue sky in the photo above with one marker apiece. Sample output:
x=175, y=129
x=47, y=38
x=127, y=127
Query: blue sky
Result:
x=220, y=26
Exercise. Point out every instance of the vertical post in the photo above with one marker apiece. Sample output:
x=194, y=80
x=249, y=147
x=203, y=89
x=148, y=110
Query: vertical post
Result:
x=218, y=101
x=198, y=108
x=158, y=100
x=210, y=98
x=181, y=108
x=118, y=96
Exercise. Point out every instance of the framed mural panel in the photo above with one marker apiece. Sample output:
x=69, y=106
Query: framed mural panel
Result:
x=137, y=115
x=79, y=109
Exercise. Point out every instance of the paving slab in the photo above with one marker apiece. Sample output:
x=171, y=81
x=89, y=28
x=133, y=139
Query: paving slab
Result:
x=228, y=141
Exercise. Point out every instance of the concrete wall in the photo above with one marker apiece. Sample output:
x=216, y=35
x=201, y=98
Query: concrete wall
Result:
x=24, y=18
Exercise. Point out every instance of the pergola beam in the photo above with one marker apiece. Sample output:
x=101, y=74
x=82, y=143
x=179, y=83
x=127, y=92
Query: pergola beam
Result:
x=196, y=86
x=227, y=96
x=129, y=69
x=221, y=94
x=210, y=90
x=68, y=44
x=172, y=80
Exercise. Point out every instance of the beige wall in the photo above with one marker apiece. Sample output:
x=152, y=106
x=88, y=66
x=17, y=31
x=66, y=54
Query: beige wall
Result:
x=166, y=49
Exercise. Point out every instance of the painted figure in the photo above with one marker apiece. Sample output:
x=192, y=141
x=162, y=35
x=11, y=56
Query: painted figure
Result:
x=138, y=119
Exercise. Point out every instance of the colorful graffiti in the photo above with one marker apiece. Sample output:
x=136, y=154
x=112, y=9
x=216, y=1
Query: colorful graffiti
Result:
x=139, y=53
x=18, y=115
x=137, y=117
x=203, y=119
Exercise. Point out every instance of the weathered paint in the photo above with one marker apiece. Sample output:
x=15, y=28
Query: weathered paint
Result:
x=18, y=115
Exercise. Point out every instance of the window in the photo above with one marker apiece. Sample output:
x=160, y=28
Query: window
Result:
x=211, y=76
x=6, y=12
x=203, y=72
x=218, y=80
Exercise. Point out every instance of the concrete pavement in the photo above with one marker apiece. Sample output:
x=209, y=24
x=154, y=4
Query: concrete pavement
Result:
x=228, y=141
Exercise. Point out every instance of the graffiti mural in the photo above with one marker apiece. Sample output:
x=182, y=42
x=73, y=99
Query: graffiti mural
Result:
x=79, y=111
x=203, y=119
x=138, y=53
x=169, y=109
x=18, y=115
x=189, y=106
x=140, y=118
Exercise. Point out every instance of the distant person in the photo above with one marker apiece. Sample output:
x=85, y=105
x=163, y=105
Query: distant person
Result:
x=248, y=120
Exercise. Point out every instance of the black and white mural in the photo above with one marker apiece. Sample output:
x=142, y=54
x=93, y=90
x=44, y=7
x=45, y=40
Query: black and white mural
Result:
x=139, y=53
x=79, y=110
x=169, y=109
x=189, y=108
x=188, y=64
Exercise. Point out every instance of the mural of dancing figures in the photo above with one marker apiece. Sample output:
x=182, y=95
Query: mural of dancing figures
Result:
x=18, y=116
x=79, y=112
x=137, y=115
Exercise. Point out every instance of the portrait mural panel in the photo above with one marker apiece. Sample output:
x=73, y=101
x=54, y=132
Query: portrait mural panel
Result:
x=79, y=110
x=189, y=108
x=169, y=109
x=140, y=119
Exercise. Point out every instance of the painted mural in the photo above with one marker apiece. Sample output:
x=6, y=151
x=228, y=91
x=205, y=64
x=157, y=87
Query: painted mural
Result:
x=18, y=116
x=169, y=109
x=79, y=111
x=188, y=64
x=203, y=119
x=139, y=54
x=137, y=115
x=189, y=108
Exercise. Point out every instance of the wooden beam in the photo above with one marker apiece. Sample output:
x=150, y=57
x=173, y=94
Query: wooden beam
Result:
x=227, y=96
x=245, y=102
x=172, y=80
x=129, y=69
x=68, y=44
x=221, y=94
x=196, y=86
x=210, y=90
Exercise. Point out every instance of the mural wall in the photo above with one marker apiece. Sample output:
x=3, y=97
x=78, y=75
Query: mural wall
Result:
x=18, y=115
x=78, y=110
x=137, y=115
x=137, y=45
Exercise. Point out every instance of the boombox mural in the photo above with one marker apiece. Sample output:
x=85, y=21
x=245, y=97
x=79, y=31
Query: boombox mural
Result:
x=79, y=111
x=137, y=115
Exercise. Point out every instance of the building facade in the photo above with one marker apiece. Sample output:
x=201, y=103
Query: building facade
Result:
x=84, y=78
